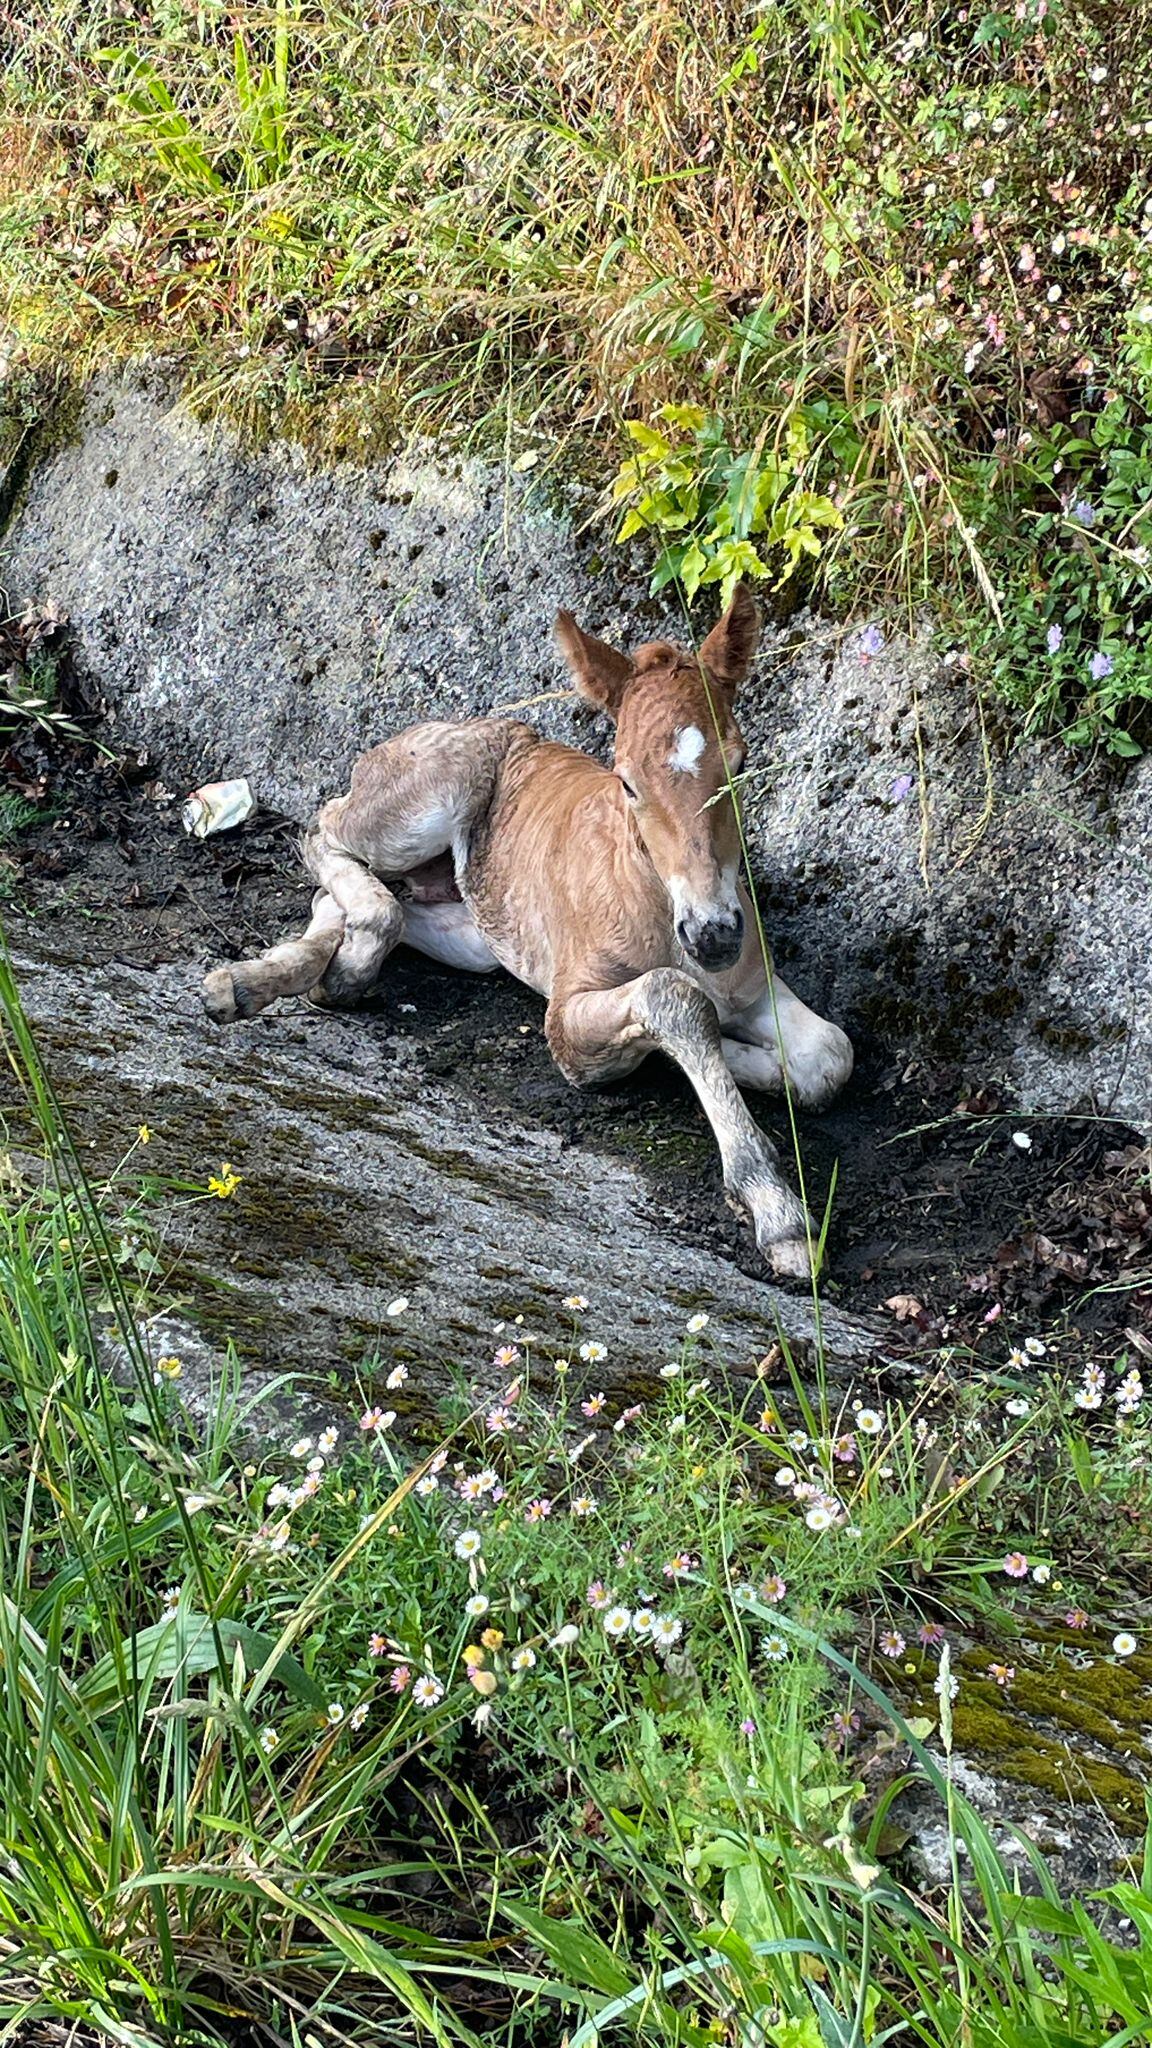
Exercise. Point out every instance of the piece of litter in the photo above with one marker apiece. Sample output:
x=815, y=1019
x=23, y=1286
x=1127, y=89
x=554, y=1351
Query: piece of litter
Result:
x=408, y=1009
x=1022, y=1141
x=217, y=807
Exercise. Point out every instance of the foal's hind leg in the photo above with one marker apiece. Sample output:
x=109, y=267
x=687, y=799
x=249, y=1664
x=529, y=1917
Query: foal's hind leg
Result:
x=412, y=799
x=598, y=1034
x=290, y=969
x=373, y=919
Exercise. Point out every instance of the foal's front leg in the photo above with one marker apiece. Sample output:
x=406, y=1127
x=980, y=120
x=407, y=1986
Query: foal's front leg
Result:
x=598, y=1034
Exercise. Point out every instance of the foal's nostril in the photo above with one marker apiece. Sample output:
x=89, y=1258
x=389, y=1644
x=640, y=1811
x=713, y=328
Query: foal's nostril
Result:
x=713, y=942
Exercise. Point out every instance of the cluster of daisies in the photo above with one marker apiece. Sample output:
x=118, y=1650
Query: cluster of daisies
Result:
x=814, y=1488
x=1091, y=1393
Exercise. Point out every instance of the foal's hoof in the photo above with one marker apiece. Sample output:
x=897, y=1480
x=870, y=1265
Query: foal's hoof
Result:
x=790, y=1259
x=221, y=999
x=786, y=1237
x=229, y=993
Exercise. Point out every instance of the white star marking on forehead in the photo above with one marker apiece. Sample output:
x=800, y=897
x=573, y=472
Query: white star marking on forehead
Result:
x=685, y=756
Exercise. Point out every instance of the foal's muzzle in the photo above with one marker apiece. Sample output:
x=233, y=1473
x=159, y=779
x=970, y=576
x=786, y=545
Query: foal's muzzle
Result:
x=714, y=942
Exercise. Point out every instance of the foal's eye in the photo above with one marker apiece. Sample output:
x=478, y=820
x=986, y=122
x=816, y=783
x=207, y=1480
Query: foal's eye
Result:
x=626, y=786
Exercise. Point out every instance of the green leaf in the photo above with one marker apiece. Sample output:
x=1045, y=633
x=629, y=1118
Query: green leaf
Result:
x=632, y=522
x=185, y=1647
x=692, y=567
x=689, y=417
x=582, y=1954
x=648, y=438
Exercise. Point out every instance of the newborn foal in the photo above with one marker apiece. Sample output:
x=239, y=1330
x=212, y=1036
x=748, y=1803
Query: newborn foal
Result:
x=615, y=893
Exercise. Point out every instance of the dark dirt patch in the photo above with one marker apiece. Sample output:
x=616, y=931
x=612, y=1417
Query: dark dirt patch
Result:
x=934, y=1197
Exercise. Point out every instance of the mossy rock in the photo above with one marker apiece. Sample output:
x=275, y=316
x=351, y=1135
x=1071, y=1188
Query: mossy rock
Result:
x=1073, y=1731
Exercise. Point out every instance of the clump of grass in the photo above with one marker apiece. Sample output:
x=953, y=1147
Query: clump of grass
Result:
x=902, y=253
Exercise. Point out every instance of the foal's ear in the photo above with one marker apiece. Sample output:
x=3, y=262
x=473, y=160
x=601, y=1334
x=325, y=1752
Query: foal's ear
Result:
x=599, y=672
x=727, y=652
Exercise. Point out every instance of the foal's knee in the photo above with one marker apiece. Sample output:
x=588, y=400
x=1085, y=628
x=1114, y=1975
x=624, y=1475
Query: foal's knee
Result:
x=674, y=1009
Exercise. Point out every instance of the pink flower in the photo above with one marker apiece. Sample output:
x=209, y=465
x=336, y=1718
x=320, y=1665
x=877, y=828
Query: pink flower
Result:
x=930, y=1635
x=1076, y=1618
x=844, y=1726
x=537, y=1510
x=498, y=1421
x=371, y=1419
x=507, y=1355
x=773, y=1589
x=679, y=1566
x=748, y=1727
x=377, y=1645
x=1016, y=1565
x=598, y=1594
x=593, y=1404
x=844, y=1448
x=400, y=1678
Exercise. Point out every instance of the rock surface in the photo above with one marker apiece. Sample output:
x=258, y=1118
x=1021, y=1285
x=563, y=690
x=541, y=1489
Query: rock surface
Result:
x=242, y=615
x=360, y=1189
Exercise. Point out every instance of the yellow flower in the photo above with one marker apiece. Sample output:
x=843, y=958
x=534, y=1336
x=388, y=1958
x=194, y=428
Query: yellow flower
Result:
x=144, y=1135
x=492, y=1638
x=472, y=1655
x=224, y=1183
x=169, y=1368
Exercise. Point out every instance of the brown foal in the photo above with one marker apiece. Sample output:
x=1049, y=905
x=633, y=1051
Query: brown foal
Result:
x=616, y=893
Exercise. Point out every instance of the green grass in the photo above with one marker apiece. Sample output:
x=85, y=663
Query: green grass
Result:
x=897, y=256
x=285, y=1748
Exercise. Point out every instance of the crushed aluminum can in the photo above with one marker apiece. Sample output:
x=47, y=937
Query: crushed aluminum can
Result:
x=217, y=807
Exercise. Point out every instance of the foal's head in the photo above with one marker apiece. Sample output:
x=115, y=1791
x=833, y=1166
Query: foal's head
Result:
x=677, y=746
